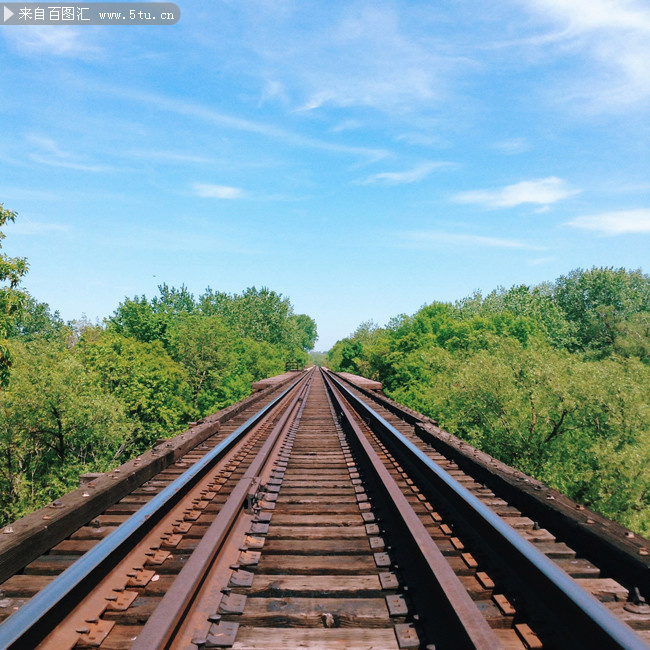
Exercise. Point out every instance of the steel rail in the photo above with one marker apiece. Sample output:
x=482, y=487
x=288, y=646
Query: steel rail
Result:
x=17, y=630
x=469, y=628
x=160, y=628
x=612, y=547
x=580, y=612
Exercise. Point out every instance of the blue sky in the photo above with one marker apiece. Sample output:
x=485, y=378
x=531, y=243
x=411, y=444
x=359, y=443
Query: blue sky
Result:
x=361, y=158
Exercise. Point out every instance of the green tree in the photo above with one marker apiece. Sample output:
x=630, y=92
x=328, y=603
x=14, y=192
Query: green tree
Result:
x=599, y=300
x=551, y=379
x=136, y=317
x=36, y=320
x=150, y=385
x=150, y=320
x=204, y=346
x=254, y=360
x=56, y=421
x=536, y=303
x=258, y=314
x=318, y=358
x=306, y=331
x=12, y=270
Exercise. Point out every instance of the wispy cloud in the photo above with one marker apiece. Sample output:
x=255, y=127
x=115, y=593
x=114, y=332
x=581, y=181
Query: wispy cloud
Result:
x=346, y=125
x=209, y=191
x=427, y=239
x=621, y=222
x=65, y=41
x=49, y=153
x=421, y=139
x=273, y=90
x=512, y=146
x=210, y=116
x=543, y=191
x=67, y=164
x=28, y=194
x=169, y=156
x=361, y=54
x=614, y=35
x=540, y=261
x=413, y=175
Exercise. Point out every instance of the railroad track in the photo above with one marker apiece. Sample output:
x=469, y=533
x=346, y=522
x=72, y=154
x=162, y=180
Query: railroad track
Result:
x=319, y=514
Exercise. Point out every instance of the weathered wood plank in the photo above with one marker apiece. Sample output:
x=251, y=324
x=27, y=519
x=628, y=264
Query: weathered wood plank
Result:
x=314, y=546
x=314, y=565
x=25, y=585
x=315, y=532
x=309, y=612
x=347, y=498
x=315, y=489
x=578, y=568
x=49, y=565
x=316, y=510
x=251, y=638
x=314, y=585
x=604, y=589
x=121, y=636
x=73, y=546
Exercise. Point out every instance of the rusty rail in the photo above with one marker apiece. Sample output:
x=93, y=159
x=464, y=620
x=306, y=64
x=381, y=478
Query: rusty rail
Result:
x=442, y=588
x=32, y=621
x=175, y=605
x=584, y=619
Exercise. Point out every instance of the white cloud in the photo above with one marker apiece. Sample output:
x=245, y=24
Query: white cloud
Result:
x=273, y=90
x=208, y=191
x=585, y=15
x=541, y=260
x=427, y=239
x=543, y=191
x=346, y=125
x=63, y=40
x=414, y=175
x=169, y=156
x=421, y=139
x=512, y=146
x=53, y=162
x=209, y=116
x=615, y=37
x=359, y=54
x=49, y=153
x=615, y=223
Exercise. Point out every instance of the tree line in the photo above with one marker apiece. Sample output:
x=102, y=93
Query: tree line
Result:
x=77, y=397
x=552, y=379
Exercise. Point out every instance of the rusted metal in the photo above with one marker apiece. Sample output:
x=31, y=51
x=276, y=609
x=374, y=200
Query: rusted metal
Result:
x=37, y=532
x=608, y=544
x=160, y=627
x=29, y=622
x=582, y=616
x=470, y=630
x=249, y=582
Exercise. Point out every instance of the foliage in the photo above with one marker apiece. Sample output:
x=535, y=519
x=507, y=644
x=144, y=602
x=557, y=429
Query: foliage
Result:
x=317, y=358
x=151, y=387
x=12, y=270
x=261, y=315
x=600, y=302
x=550, y=379
x=306, y=333
x=36, y=320
x=56, y=421
x=87, y=396
x=258, y=314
